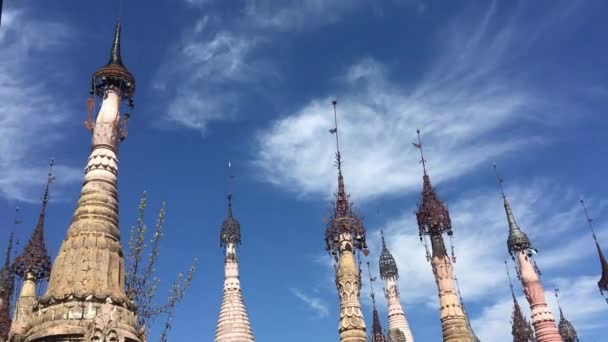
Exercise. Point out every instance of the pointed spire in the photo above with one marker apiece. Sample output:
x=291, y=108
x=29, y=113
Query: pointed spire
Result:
x=387, y=264
x=231, y=228
x=34, y=258
x=114, y=75
x=377, y=333
x=115, y=57
x=603, y=282
x=7, y=285
x=566, y=329
x=520, y=327
x=518, y=240
x=419, y=147
x=432, y=215
x=7, y=277
x=343, y=218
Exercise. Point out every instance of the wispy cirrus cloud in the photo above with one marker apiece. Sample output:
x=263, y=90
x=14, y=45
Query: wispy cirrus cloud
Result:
x=30, y=116
x=470, y=105
x=315, y=303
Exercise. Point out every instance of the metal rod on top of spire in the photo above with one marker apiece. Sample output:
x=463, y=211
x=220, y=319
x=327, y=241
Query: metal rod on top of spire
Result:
x=589, y=219
x=334, y=130
x=509, y=276
x=371, y=284
x=419, y=146
x=500, y=181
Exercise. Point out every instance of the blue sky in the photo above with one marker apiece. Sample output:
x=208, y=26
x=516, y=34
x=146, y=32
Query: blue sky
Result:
x=518, y=83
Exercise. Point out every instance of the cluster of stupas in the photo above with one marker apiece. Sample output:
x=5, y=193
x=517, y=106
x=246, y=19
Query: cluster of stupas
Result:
x=85, y=297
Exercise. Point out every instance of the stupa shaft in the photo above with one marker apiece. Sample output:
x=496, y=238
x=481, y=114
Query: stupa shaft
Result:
x=543, y=320
x=348, y=281
x=397, y=321
x=454, y=324
x=233, y=322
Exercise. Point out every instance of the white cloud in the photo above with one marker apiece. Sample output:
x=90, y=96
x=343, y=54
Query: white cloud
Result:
x=30, y=117
x=202, y=76
x=315, y=303
x=469, y=109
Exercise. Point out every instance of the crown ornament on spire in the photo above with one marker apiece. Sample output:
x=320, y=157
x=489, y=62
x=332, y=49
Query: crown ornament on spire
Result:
x=603, y=282
x=34, y=258
x=566, y=329
x=231, y=228
x=114, y=75
x=388, y=266
x=343, y=219
x=432, y=214
x=518, y=240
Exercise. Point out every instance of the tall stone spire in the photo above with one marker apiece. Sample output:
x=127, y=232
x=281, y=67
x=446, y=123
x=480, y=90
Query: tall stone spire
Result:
x=7, y=285
x=397, y=322
x=603, y=282
x=520, y=327
x=377, y=333
x=521, y=251
x=345, y=235
x=85, y=299
x=233, y=322
x=434, y=220
x=566, y=329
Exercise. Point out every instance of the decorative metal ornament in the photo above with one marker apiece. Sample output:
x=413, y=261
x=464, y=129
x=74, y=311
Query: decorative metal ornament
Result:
x=388, y=266
x=231, y=228
x=114, y=75
x=34, y=258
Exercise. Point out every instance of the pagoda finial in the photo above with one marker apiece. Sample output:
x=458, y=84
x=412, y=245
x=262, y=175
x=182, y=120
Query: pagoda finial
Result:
x=114, y=75
x=334, y=130
x=343, y=220
x=518, y=240
x=566, y=329
x=419, y=147
x=432, y=215
x=500, y=181
x=34, y=258
x=603, y=282
x=386, y=262
x=377, y=333
x=231, y=228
